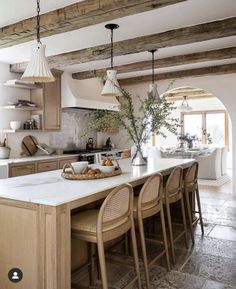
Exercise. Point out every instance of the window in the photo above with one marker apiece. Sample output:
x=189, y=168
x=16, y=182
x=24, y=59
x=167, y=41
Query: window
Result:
x=211, y=127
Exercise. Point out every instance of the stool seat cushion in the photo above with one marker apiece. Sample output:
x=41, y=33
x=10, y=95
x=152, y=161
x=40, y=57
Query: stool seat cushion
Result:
x=85, y=221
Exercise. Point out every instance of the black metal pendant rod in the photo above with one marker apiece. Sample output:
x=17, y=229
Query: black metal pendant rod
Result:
x=112, y=26
x=153, y=64
x=112, y=30
x=38, y=22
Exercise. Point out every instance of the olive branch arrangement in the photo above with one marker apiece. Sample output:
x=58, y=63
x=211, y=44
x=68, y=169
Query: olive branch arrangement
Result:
x=149, y=118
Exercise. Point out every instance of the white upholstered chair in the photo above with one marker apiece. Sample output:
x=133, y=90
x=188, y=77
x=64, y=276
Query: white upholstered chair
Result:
x=154, y=152
x=224, y=152
x=210, y=165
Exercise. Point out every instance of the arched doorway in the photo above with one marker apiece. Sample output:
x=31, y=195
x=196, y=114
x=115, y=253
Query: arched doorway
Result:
x=205, y=119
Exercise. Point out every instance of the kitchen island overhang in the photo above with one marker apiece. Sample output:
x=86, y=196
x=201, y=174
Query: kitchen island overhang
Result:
x=35, y=214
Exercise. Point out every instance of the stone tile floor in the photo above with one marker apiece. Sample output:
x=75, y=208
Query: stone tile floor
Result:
x=211, y=262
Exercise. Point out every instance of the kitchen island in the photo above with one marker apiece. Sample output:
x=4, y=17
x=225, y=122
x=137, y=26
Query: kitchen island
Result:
x=35, y=215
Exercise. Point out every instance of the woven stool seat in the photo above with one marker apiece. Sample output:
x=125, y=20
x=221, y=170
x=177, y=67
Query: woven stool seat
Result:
x=85, y=222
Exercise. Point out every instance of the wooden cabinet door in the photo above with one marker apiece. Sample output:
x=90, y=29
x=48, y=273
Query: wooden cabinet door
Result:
x=21, y=170
x=47, y=166
x=52, y=104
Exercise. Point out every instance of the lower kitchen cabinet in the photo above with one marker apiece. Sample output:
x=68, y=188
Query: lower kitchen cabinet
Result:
x=47, y=166
x=28, y=168
x=21, y=169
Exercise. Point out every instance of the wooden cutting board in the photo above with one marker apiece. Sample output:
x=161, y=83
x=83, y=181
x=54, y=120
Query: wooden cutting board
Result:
x=29, y=145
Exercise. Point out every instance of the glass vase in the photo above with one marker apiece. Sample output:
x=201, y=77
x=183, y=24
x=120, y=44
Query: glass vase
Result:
x=137, y=157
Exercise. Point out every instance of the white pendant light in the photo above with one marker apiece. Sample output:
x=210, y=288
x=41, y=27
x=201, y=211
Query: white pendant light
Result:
x=111, y=87
x=153, y=86
x=185, y=107
x=38, y=69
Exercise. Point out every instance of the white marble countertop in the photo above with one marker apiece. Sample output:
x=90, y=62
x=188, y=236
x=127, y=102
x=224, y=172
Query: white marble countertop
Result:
x=35, y=158
x=49, y=188
x=49, y=157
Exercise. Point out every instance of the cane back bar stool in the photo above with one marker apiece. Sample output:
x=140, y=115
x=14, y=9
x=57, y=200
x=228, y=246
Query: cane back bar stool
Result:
x=113, y=219
x=173, y=193
x=191, y=187
x=148, y=204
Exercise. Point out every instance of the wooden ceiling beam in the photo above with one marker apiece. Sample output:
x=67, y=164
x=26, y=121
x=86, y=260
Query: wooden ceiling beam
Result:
x=180, y=36
x=190, y=96
x=76, y=16
x=181, y=93
x=210, y=55
x=196, y=72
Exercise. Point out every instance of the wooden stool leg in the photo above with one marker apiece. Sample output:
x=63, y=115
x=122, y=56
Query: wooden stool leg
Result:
x=163, y=225
x=102, y=262
x=144, y=251
x=199, y=209
x=170, y=232
x=135, y=253
x=186, y=194
x=126, y=247
x=92, y=267
x=184, y=221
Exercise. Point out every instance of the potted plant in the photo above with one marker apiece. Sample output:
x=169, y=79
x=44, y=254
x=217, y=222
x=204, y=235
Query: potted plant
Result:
x=140, y=122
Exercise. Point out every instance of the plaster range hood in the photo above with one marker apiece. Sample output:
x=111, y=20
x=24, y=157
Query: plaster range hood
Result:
x=85, y=94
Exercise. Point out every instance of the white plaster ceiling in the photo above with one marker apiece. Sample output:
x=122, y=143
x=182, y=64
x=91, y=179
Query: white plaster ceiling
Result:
x=183, y=14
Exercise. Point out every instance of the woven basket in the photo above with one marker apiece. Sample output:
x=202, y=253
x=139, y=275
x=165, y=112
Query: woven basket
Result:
x=71, y=175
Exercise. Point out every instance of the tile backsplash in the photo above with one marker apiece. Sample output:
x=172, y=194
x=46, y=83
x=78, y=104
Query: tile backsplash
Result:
x=73, y=123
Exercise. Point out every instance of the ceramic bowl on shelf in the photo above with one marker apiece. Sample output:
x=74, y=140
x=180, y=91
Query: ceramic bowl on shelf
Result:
x=15, y=124
x=79, y=166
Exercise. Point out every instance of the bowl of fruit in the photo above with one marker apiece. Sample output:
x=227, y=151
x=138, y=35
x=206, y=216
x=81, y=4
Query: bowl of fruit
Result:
x=106, y=166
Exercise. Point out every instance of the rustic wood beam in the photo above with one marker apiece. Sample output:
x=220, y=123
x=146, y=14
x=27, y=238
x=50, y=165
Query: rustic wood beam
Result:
x=203, y=71
x=76, y=16
x=181, y=93
x=219, y=54
x=203, y=95
x=180, y=36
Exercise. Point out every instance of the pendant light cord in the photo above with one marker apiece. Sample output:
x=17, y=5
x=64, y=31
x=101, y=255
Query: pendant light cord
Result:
x=153, y=66
x=112, y=48
x=38, y=22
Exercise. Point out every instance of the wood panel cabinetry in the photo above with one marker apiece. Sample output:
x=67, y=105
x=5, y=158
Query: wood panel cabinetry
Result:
x=52, y=103
x=49, y=99
x=47, y=166
x=28, y=168
x=21, y=169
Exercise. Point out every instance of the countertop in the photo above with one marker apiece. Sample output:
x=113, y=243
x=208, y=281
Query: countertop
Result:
x=48, y=157
x=49, y=188
x=35, y=158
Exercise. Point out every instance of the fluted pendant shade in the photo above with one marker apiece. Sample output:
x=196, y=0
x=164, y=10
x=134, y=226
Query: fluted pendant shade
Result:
x=153, y=90
x=111, y=87
x=37, y=69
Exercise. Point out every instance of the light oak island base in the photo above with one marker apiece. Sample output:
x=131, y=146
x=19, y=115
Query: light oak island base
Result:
x=34, y=238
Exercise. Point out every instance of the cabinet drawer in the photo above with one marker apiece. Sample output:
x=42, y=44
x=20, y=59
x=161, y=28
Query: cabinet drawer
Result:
x=21, y=170
x=67, y=161
x=47, y=166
